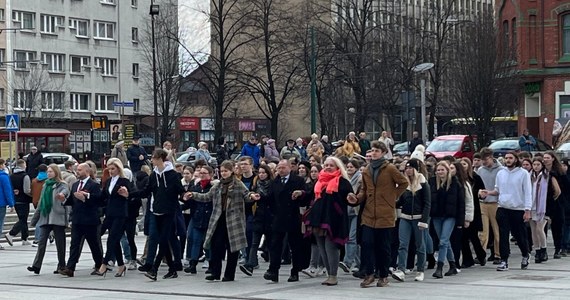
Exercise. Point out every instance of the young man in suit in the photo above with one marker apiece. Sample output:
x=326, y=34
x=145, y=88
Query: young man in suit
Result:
x=286, y=198
x=85, y=198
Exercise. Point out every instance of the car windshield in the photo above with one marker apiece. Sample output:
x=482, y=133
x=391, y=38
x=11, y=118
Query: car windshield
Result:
x=444, y=146
x=505, y=145
x=401, y=147
x=183, y=157
x=564, y=147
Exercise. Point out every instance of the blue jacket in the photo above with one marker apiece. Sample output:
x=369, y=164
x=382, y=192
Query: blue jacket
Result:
x=6, y=191
x=253, y=151
x=527, y=147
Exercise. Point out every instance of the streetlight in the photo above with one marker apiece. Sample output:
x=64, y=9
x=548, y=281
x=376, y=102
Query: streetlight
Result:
x=420, y=69
x=154, y=10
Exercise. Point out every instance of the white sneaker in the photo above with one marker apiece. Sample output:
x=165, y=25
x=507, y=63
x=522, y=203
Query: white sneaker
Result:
x=132, y=265
x=25, y=243
x=35, y=243
x=419, y=276
x=408, y=271
x=354, y=269
x=9, y=239
x=205, y=265
x=310, y=271
x=321, y=271
x=399, y=275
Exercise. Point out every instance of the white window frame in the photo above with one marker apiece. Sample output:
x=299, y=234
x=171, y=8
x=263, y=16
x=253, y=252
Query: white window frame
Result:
x=55, y=62
x=49, y=101
x=108, y=30
x=19, y=19
x=23, y=64
x=134, y=34
x=2, y=14
x=108, y=2
x=107, y=99
x=135, y=70
x=108, y=66
x=50, y=24
x=84, y=62
x=75, y=100
x=20, y=97
x=74, y=25
x=134, y=3
x=136, y=105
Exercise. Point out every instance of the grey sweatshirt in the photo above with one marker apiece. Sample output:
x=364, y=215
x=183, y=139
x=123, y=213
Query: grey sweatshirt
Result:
x=488, y=175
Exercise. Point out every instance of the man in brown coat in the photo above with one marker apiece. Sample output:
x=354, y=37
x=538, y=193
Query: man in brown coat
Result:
x=381, y=186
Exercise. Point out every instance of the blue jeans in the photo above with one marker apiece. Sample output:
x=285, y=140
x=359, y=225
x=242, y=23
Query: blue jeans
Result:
x=406, y=229
x=2, y=216
x=198, y=236
x=153, y=239
x=126, y=248
x=352, y=256
x=566, y=237
x=428, y=241
x=444, y=227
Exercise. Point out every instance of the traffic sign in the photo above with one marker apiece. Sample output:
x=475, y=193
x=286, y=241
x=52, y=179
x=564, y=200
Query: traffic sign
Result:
x=124, y=104
x=13, y=123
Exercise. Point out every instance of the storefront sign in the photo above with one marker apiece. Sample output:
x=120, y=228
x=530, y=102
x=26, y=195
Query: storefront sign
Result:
x=188, y=123
x=246, y=126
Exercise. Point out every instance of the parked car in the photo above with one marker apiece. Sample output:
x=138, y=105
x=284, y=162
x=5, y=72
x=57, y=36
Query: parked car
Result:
x=455, y=145
x=56, y=158
x=563, y=151
x=188, y=158
x=401, y=149
x=502, y=146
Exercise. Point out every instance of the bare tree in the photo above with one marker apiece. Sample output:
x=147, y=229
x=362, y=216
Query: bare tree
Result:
x=486, y=79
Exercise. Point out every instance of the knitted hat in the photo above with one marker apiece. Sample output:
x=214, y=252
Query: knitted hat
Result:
x=413, y=163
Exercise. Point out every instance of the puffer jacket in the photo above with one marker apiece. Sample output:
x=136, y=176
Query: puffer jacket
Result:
x=448, y=203
x=416, y=206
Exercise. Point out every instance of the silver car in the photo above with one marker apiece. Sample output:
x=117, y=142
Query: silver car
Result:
x=564, y=150
x=56, y=158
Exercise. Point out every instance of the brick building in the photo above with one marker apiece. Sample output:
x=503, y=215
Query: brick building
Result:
x=539, y=31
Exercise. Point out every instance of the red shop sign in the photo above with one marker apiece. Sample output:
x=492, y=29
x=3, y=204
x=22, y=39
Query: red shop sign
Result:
x=188, y=123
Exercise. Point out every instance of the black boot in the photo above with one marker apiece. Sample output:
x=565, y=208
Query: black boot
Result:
x=538, y=256
x=431, y=261
x=439, y=271
x=452, y=269
x=544, y=255
x=192, y=267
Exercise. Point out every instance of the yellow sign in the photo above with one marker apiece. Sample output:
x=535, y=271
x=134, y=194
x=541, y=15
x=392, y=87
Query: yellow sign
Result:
x=5, y=150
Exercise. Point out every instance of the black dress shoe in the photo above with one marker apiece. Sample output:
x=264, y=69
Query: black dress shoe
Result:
x=293, y=278
x=225, y=279
x=359, y=274
x=145, y=268
x=150, y=275
x=271, y=276
x=170, y=275
x=66, y=272
x=212, y=278
x=34, y=269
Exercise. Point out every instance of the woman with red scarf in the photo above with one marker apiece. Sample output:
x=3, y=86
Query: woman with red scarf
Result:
x=328, y=219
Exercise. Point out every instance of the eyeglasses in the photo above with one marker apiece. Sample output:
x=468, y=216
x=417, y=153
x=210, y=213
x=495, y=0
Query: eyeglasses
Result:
x=204, y=173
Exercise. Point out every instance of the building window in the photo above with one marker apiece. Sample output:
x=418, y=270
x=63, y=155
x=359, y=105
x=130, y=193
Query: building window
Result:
x=514, y=34
x=108, y=66
x=23, y=19
x=52, y=100
x=108, y=1
x=134, y=3
x=2, y=57
x=136, y=70
x=136, y=105
x=54, y=62
x=506, y=36
x=1, y=98
x=78, y=63
x=105, y=102
x=135, y=34
x=49, y=24
x=566, y=34
x=81, y=27
x=79, y=102
x=2, y=18
x=23, y=58
x=104, y=30
x=23, y=99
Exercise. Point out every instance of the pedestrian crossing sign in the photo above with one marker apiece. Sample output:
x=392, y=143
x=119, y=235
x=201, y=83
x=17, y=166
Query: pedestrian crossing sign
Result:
x=13, y=123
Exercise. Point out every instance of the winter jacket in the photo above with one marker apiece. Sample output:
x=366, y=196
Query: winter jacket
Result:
x=59, y=214
x=166, y=189
x=416, y=206
x=448, y=203
x=253, y=151
x=6, y=191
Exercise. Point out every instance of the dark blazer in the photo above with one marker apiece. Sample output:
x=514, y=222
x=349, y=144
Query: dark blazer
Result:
x=86, y=213
x=284, y=209
x=117, y=205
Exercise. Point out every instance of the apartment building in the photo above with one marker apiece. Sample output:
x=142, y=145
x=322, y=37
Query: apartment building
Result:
x=65, y=61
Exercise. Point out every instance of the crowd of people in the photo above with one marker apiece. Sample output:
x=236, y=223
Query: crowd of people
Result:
x=354, y=209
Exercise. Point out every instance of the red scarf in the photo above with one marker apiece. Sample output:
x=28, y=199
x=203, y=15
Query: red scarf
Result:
x=327, y=180
x=204, y=183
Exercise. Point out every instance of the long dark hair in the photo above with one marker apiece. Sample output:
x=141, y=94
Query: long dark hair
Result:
x=556, y=165
x=460, y=173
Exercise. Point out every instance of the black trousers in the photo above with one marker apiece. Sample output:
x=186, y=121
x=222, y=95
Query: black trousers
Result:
x=511, y=221
x=295, y=242
x=219, y=246
x=22, y=210
x=470, y=235
x=376, y=248
x=456, y=243
x=130, y=230
x=556, y=226
x=167, y=236
x=116, y=226
x=89, y=233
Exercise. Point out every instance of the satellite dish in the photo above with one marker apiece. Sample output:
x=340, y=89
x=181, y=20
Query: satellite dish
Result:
x=422, y=67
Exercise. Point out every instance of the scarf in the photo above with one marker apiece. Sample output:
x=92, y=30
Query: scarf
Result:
x=204, y=183
x=42, y=176
x=225, y=182
x=263, y=187
x=375, y=168
x=46, y=199
x=327, y=180
x=540, y=185
x=354, y=180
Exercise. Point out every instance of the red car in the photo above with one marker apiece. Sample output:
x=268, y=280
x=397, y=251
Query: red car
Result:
x=455, y=145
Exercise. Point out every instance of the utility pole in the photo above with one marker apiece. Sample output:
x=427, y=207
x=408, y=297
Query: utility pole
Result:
x=313, y=83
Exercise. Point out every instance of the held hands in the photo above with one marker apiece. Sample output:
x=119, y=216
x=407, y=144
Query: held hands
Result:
x=483, y=194
x=255, y=196
x=526, y=216
x=296, y=194
x=60, y=197
x=16, y=192
x=351, y=198
x=466, y=224
x=123, y=191
x=141, y=157
x=187, y=196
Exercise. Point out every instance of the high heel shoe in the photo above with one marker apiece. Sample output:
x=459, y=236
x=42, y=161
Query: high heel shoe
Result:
x=101, y=273
x=122, y=271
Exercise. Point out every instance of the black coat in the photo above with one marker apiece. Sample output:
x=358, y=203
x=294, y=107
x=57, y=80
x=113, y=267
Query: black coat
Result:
x=285, y=210
x=117, y=205
x=133, y=154
x=166, y=188
x=200, y=211
x=448, y=203
x=32, y=163
x=262, y=217
x=86, y=212
x=476, y=185
x=418, y=204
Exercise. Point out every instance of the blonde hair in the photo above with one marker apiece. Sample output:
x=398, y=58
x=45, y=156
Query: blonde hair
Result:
x=339, y=165
x=146, y=169
x=93, y=171
x=415, y=183
x=117, y=163
x=447, y=182
x=57, y=172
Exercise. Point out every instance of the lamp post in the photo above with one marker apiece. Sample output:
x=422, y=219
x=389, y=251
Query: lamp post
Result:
x=420, y=69
x=154, y=10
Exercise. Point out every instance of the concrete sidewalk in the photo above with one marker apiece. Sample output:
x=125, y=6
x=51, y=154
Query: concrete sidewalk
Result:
x=541, y=281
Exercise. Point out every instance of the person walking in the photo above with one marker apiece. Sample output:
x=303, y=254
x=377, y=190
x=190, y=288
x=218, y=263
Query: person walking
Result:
x=21, y=184
x=382, y=184
x=556, y=205
x=226, y=229
x=527, y=142
x=252, y=150
x=51, y=215
x=388, y=141
x=351, y=260
x=136, y=155
x=6, y=194
x=514, y=190
x=33, y=161
x=120, y=153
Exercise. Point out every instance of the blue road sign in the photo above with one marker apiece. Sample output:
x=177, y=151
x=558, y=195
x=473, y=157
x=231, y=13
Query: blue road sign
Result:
x=13, y=123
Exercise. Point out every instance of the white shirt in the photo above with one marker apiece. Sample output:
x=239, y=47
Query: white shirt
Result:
x=81, y=185
x=113, y=182
x=515, y=189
